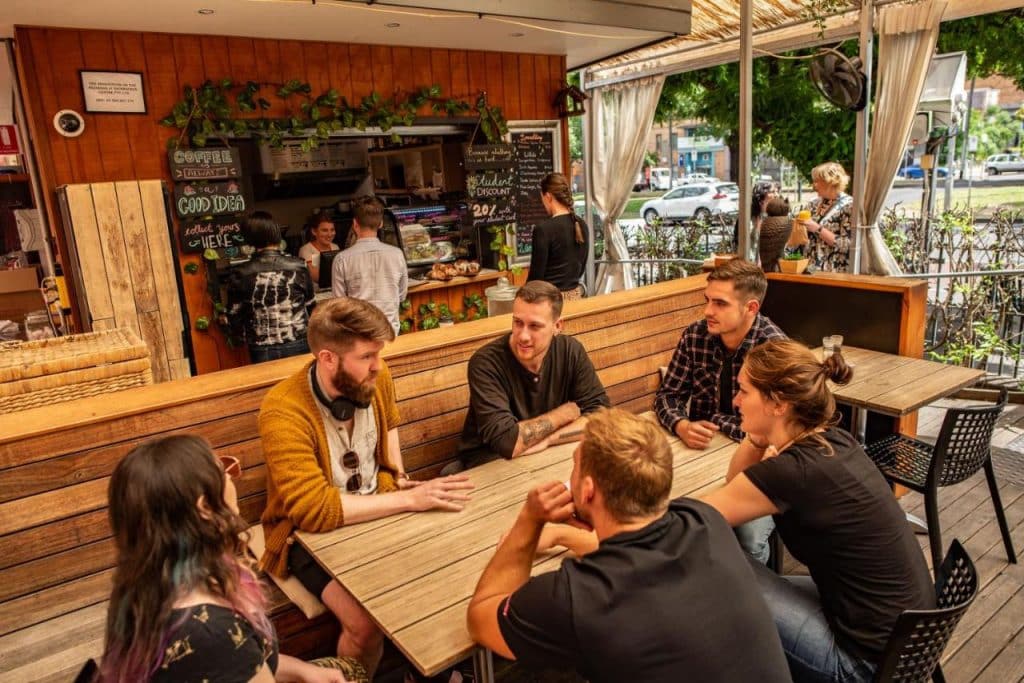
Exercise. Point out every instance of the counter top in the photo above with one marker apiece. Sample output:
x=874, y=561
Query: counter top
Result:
x=485, y=275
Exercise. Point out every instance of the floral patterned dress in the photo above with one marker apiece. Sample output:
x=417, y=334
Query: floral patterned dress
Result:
x=836, y=215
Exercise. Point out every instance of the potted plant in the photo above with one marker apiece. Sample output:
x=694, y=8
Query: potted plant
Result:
x=793, y=261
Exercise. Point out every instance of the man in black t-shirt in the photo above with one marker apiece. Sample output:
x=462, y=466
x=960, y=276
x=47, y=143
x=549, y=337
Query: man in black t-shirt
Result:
x=665, y=595
x=529, y=389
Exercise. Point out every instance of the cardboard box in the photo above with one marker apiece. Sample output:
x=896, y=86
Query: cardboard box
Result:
x=19, y=294
x=18, y=280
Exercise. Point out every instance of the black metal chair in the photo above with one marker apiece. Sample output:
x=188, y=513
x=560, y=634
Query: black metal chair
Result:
x=963, y=448
x=920, y=636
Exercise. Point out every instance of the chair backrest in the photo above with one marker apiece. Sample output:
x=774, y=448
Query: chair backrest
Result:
x=920, y=636
x=964, y=443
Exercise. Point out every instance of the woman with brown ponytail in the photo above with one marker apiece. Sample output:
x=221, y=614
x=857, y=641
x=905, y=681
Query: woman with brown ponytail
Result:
x=560, y=243
x=834, y=511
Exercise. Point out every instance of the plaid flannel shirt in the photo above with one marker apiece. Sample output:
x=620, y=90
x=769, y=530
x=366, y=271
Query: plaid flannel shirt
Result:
x=692, y=376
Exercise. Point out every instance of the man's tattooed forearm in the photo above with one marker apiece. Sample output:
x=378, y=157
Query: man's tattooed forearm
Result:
x=535, y=430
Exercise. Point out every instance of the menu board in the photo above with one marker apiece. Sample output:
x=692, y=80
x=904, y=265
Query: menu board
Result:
x=193, y=200
x=535, y=158
x=216, y=233
x=491, y=184
x=481, y=157
x=204, y=164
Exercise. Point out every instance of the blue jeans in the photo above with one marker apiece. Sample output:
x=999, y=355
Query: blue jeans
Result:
x=262, y=353
x=811, y=649
x=753, y=537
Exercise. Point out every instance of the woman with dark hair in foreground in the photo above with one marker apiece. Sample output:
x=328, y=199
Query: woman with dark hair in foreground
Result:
x=185, y=604
x=834, y=511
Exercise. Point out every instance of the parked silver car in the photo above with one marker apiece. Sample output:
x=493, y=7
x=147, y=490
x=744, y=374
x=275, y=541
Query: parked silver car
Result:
x=700, y=200
x=1004, y=163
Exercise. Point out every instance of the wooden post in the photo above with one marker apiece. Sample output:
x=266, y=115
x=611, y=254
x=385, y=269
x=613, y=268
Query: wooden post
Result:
x=744, y=247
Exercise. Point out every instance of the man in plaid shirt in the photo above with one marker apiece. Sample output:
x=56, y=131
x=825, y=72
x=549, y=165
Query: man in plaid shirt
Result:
x=695, y=398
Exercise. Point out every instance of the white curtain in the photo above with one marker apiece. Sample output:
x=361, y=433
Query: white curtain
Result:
x=621, y=117
x=907, y=35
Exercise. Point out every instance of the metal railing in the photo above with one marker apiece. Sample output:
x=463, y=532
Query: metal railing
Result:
x=950, y=309
x=651, y=270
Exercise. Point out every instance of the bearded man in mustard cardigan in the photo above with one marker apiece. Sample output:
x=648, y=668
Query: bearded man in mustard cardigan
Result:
x=330, y=440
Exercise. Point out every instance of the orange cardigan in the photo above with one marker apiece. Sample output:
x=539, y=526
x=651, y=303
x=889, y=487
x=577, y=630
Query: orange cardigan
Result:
x=300, y=489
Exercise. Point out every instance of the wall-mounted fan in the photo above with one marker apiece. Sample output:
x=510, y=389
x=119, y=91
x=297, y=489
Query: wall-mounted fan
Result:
x=840, y=80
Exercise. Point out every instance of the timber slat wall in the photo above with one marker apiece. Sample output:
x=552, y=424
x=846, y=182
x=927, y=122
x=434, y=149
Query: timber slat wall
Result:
x=115, y=147
x=121, y=233
x=56, y=555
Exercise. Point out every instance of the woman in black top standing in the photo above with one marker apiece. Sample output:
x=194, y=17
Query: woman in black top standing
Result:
x=834, y=511
x=560, y=243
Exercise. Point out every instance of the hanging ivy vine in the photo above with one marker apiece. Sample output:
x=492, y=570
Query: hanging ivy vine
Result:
x=218, y=109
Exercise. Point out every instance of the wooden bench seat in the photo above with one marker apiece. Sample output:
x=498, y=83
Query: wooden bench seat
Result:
x=56, y=554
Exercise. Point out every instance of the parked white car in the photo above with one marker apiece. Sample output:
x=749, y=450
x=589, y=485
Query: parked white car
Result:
x=700, y=200
x=697, y=178
x=1004, y=163
x=661, y=178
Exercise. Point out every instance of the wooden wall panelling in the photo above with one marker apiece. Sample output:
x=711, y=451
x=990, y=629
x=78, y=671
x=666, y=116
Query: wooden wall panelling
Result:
x=382, y=70
x=89, y=249
x=495, y=75
x=84, y=151
x=460, y=75
x=242, y=59
x=362, y=71
x=528, y=94
x=317, y=70
x=510, y=77
x=115, y=160
x=216, y=59
x=441, y=71
x=422, y=73
x=111, y=234
x=341, y=70
x=293, y=62
x=159, y=237
x=270, y=70
x=162, y=91
x=476, y=63
x=401, y=72
x=144, y=137
x=142, y=280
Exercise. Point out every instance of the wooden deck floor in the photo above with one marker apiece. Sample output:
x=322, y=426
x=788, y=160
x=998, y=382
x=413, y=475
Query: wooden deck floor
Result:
x=988, y=645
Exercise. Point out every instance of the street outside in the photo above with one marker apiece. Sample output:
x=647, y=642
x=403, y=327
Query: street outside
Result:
x=983, y=193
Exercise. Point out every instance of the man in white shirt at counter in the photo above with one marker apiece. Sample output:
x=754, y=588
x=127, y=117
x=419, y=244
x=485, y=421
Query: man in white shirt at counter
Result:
x=371, y=270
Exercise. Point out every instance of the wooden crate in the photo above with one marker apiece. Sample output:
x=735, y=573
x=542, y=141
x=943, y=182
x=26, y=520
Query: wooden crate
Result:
x=47, y=371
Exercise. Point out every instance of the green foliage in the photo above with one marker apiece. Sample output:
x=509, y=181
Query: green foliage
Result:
x=995, y=129
x=502, y=237
x=218, y=109
x=790, y=118
x=994, y=44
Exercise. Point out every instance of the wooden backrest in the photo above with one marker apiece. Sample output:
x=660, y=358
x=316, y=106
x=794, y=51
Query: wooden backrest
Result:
x=56, y=554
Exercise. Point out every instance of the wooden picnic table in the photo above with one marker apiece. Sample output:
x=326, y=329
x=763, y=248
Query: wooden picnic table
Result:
x=898, y=385
x=415, y=573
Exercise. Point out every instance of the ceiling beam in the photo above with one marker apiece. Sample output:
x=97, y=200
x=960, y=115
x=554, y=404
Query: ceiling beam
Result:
x=804, y=34
x=661, y=16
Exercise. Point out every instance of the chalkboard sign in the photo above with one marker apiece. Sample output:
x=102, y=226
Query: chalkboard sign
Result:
x=195, y=200
x=216, y=233
x=204, y=164
x=535, y=158
x=492, y=195
x=484, y=157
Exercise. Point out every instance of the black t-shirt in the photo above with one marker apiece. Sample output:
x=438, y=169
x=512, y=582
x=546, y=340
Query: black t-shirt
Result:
x=502, y=392
x=214, y=643
x=674, y=601
x=556, y=257
x=839, y=517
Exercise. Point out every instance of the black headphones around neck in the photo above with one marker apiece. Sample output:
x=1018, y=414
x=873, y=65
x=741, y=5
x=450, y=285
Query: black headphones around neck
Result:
x=342, y=408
